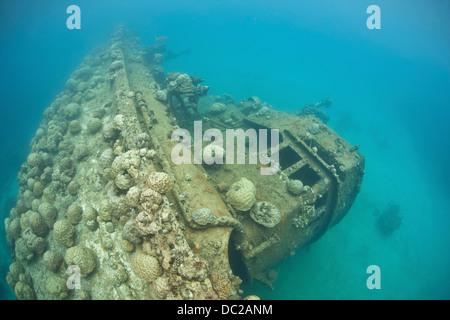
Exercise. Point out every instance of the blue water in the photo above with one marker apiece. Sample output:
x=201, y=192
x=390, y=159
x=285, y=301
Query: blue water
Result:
x=390, y=95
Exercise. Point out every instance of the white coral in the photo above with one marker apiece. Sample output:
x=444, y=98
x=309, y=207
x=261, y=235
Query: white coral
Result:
x=145, y=266
x=160, y=181
x=119, y=122
x=129, y=161
x=241, y=195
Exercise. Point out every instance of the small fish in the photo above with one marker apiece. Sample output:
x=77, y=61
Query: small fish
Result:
x=162, y=38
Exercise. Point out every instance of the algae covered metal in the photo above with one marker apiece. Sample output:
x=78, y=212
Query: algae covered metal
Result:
x=317, y=181
x=104, y=211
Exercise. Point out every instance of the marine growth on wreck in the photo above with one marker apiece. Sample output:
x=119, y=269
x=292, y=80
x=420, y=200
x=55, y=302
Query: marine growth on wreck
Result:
x=104, y=213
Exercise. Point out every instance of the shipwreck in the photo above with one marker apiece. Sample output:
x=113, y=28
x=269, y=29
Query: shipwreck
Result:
x=100, y=194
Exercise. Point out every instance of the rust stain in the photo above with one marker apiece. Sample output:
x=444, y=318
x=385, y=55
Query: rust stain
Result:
x=221, y=213
x=200, y=176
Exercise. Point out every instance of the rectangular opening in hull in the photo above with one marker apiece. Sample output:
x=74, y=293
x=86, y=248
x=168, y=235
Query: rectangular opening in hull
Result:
x=288, y=157
x=306, y=175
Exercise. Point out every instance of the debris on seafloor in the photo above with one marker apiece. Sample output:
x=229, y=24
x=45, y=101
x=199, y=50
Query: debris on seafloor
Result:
x=388, y=221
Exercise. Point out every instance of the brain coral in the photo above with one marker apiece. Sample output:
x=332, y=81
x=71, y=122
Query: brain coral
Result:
x=74, y=213
x=56, y=286
x=241, y=195
x=48, y=213
x=90, y=218
x=34, y=160
x=63, y=232
x=74, y=126
x=145, y=266
x=71, y=111
x=52, y=260
x=160, y=181
x=82, y=257
x=73, y=187
x=94, y=125
x=23, y=291
x=37, y=224
x=14, y=229
x=294, y=186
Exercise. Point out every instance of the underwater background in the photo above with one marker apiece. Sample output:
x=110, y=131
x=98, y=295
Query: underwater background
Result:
x=390, y=95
